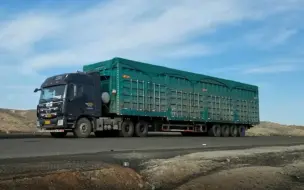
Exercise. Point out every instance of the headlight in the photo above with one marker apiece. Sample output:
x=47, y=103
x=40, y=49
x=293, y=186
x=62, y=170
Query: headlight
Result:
x=37, y=123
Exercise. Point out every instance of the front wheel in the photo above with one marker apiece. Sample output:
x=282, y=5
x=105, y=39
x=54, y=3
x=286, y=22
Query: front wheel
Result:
x=59, y=134
x=83, y=128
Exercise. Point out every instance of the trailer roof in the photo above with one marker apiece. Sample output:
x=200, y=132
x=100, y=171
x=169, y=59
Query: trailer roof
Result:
x=156, y=69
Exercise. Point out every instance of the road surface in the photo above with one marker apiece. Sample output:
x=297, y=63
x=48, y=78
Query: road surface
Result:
x=47, y=146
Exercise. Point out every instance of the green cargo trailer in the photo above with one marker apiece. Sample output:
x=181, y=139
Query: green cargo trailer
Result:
x=130, y=98
x=174, y=100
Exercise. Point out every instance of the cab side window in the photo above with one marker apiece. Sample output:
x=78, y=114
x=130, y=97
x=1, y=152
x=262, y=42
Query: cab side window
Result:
x=80, y=90
x=72, y=91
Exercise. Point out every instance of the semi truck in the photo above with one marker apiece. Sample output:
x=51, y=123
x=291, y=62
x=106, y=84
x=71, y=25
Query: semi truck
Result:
x=122, y=97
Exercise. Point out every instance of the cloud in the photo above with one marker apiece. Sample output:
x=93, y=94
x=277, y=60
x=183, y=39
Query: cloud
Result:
x=20, y=34
x=265, y=67
x=270, y=37
x=268, y=69
x=39, y=40
x=115, y=27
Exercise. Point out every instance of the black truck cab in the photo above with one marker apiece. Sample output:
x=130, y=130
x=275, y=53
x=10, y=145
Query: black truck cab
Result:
x=67, y=98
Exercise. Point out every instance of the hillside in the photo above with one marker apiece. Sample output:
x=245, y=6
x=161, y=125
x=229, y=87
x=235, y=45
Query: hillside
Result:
x=275, y=129
x=17, y=120
x=24, y=121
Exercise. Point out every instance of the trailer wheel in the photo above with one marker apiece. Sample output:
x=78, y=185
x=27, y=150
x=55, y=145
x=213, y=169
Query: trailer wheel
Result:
x=215, y=131
x=127, y=129
x=83, y=128
x=141, y=129
x=241, y=131
x=59, y=134
x=225, y=131
x=234, y=131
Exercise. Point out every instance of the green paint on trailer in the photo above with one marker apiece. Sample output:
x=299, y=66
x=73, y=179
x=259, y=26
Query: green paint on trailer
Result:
x=148, y=90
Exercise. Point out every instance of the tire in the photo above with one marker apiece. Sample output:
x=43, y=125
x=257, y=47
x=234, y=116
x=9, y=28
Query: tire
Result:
x=127, y=129
x=215, y=131
x=59, y=134
x=225, y=131
x=242, y=131
x=210, y=132
x=234, y=131
x=83, y=128
x=141, y=129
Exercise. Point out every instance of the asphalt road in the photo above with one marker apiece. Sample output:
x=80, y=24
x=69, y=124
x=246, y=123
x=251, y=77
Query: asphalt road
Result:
x=47, y=146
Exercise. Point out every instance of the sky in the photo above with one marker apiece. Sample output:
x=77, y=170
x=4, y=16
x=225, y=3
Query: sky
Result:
x=259, y=42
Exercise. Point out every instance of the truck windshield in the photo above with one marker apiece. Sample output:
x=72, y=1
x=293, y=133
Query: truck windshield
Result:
x=52, y=93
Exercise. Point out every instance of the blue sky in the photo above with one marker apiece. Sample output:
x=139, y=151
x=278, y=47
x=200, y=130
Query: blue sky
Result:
x=259, y=42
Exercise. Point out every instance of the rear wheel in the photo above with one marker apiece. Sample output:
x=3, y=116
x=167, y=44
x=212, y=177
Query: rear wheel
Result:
x=141, y=129
x=242, y=131
x=59, y=134
x=127, y=129
x=215, y=131
x=234, y=131
x=225, y=131
x=83, y=128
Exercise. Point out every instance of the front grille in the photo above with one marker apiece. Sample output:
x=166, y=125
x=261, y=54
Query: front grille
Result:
x=49, y=110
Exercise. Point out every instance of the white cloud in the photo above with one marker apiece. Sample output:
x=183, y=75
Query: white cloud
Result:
x=23, y=32
x=137, y=29
x=266, y=67
x=271, y=69
x=115, y=27
x=269, y=37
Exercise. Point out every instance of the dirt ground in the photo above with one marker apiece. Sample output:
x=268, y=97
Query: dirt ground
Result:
x=272, y=168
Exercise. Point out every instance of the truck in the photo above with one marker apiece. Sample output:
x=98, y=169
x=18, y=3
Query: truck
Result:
x=122, y=97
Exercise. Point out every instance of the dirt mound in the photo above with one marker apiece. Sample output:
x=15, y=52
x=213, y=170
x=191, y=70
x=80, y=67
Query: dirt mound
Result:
x=254, y=177
x=275, y=129
x=17, y=120
x=114, y=177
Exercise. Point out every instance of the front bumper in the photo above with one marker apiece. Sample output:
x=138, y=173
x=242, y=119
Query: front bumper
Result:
x=52, y=123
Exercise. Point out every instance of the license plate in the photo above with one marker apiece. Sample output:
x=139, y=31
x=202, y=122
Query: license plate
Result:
x=51, y=130
x=47, y=122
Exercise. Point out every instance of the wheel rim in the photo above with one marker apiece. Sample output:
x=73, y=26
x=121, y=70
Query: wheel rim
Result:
x=226, y=131
x=234, y=131
x=127, y=128
x=142, y=128
x=83, y=128
x=217, y=131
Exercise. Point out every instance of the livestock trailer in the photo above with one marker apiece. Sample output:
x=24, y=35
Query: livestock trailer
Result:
x=131, y=98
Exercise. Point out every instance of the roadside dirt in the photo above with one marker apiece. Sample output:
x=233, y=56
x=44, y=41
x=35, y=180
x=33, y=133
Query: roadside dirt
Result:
x=106, y=178
x=272, y=168
x=254, y=177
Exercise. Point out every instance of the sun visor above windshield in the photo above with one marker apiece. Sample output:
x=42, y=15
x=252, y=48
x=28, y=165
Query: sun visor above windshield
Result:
x=55, y=80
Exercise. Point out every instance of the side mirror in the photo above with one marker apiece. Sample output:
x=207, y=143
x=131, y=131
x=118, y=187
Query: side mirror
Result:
x=36, y=90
